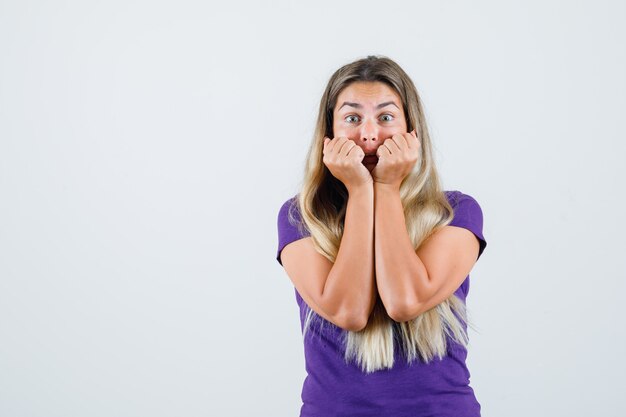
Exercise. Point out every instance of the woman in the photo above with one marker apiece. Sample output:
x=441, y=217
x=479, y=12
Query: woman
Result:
x=380, y=256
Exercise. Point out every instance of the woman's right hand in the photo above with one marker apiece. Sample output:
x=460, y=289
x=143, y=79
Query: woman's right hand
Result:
x=344, y=159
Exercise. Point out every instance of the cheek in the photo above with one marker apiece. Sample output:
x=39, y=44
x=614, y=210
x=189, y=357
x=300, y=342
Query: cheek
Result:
x=387, y=134
x=340, y=131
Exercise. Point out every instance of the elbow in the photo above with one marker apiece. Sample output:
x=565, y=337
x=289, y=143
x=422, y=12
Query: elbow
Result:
x=403, y=313
x=397, y=314
x=352, y=322
x=403, y=306
x=356, y=325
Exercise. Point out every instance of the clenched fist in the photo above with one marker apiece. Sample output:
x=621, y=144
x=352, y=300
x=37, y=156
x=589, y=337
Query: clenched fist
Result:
x=396, y=158
x=344, y=157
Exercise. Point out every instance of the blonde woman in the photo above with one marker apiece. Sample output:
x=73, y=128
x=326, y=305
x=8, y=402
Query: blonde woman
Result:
x=380, y=256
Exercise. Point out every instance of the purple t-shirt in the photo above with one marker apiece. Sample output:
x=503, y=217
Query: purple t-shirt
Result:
x=333, y=387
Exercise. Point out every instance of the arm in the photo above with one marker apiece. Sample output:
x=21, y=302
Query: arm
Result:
x=350, y=286
x=400, y=275
x=343, y=292
x=411, y=282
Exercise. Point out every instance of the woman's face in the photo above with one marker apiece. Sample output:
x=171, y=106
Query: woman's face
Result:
x=368, y=113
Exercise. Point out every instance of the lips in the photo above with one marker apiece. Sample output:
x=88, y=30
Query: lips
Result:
x=370, y=159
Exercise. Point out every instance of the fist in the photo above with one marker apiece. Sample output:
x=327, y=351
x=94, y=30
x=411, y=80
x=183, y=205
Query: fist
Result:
x=396, y=158
x=344, y=157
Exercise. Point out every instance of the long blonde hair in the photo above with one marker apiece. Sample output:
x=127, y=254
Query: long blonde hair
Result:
x=322, y=205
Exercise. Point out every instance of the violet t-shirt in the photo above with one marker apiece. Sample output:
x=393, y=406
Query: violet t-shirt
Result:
x=333, y=387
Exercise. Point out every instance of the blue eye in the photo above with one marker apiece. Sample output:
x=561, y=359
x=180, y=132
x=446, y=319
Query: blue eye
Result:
x=391, y=118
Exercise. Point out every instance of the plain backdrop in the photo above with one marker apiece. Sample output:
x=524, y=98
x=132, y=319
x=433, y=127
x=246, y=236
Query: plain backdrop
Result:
x=146, y=147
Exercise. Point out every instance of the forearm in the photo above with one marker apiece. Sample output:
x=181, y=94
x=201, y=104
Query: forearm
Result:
x=400, y=275
x=351, y=286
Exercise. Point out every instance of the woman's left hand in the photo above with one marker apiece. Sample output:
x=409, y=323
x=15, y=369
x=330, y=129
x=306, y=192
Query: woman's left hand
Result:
x=396, y=158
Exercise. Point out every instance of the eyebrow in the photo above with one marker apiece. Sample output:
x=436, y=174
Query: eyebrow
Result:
x=358, y=106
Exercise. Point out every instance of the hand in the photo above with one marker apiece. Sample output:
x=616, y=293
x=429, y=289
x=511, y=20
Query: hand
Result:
x=344, y=159
x=396, y=158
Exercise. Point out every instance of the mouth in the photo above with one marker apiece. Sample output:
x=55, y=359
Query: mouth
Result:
x=370, y=159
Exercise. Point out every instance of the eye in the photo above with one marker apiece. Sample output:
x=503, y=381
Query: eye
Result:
x=347, y=117
x=390, y=117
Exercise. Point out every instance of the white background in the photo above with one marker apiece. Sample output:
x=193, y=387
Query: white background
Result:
x=146, y=147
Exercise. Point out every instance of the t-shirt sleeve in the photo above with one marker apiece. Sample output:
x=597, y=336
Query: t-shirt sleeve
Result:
x=469, y=215
x=288, y=231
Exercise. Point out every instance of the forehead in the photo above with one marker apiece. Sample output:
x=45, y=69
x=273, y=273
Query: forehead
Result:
x=369, y=94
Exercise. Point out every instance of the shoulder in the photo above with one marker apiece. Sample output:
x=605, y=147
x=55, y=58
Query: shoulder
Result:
x=467, y=214
x=463, y=204
x=289, y=211
x=290, y=225
x=455, y=197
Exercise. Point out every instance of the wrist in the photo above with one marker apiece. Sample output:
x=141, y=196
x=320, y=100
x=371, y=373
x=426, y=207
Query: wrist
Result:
x=364, y=188
x=382, y=186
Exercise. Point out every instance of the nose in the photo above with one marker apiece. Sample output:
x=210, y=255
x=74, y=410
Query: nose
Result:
x=369, y=137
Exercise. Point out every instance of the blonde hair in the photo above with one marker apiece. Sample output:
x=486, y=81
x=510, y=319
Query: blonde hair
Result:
x=322, y=205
